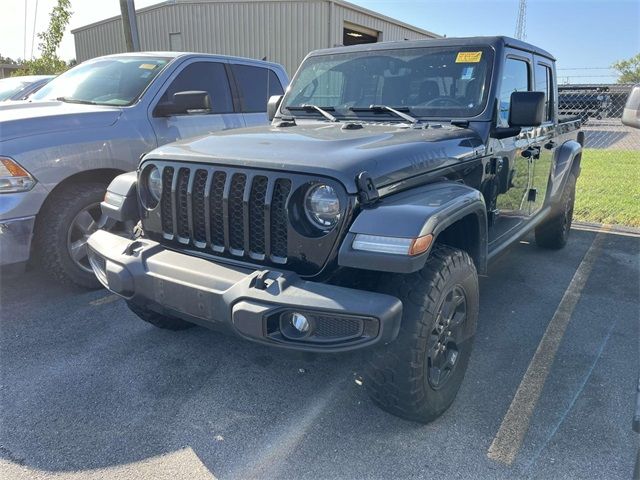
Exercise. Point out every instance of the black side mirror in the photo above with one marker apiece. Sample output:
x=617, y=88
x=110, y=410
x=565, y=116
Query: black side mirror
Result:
x=273, y=105
x=631, y=112
x=527, y=109
x=183, y=103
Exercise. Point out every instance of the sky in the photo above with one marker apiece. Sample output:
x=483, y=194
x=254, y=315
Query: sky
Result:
x=586, y=36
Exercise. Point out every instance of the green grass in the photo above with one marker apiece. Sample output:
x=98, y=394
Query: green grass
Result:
x=608, y=188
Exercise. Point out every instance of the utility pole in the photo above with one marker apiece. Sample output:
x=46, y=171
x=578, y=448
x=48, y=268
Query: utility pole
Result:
x=129, y=25
x=521, y=24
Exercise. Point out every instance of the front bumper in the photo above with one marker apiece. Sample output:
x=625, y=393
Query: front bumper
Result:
x=15, y=239
x=255, y=304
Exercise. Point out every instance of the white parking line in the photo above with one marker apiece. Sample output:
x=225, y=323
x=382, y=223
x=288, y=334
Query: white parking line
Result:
x=514, y=426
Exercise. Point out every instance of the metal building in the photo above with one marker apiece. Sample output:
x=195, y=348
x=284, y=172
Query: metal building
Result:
x=282, y=31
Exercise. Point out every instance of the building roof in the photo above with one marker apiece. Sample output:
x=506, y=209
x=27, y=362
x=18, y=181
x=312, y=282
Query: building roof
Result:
x=497, y=41
x=342, y=3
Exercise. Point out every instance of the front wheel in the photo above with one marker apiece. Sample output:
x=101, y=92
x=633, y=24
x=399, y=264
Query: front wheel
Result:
x=418, y=375
x=63, y=228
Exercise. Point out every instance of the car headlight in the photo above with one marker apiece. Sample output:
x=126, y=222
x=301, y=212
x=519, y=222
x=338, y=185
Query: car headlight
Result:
x=322, y=206
x=14, y=178
x=150, y=182
x=154, y=183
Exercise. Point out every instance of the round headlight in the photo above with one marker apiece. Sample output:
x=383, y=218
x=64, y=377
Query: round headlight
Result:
x=322, y=206
x=154, y=183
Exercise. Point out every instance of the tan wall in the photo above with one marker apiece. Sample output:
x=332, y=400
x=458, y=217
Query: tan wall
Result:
x=282, y=31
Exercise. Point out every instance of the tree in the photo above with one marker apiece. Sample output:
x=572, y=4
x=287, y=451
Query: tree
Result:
x=629, y=69
x=49, y=63
x=9, y=60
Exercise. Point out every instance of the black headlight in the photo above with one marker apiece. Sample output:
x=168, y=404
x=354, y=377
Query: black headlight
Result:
x=322, y=206
x=151, y=183
x=155, y=183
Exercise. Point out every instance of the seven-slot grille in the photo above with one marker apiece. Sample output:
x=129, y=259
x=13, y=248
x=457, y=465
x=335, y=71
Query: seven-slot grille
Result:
x=226, y=211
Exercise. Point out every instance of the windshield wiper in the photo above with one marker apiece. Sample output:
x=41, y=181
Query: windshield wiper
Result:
x=310, y=108
x=385, y=108
x=76, y=100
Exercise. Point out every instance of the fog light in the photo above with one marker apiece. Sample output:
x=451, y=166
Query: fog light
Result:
x=300, y=322
x=295, y=325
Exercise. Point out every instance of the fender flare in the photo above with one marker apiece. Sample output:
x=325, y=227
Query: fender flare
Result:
x=429, y=209
x=565, y=157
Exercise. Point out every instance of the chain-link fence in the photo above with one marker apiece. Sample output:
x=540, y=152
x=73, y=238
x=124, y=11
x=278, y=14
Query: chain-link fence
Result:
x=600, y=108
x=609, y=187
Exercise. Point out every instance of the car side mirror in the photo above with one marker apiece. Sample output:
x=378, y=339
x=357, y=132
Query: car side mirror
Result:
x=527, y=109
x=631, y=112
x=273, y=105
x=183, y=103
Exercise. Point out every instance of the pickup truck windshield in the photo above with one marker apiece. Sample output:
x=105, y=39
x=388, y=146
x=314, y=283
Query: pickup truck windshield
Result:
x=10, y=86
x=106, y=81
x=437, y=82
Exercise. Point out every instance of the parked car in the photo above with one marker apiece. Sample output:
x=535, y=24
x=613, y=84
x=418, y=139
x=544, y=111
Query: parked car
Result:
x=584, y=104
x=93, y=122
x=19, y=88
x=362, y=216
x=631, y=111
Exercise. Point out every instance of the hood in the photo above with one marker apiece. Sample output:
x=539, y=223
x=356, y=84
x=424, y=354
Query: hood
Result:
x=23, y=119
x=388, y=152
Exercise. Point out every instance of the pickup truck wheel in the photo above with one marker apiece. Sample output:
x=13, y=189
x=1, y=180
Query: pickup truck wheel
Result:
x=554, y=232
x=157, y=320
x=418, y=375
x=63, y=228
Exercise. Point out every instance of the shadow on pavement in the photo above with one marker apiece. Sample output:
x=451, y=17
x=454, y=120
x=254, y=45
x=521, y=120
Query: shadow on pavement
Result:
x=88, y=386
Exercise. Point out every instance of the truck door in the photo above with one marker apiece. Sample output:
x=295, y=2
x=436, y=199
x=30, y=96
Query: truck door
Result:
x=544, y=135
x=255, y=85
x=508, y=201
x=204, y=75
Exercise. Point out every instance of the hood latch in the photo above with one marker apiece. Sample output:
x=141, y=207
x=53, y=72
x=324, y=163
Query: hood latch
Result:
x=367, y=191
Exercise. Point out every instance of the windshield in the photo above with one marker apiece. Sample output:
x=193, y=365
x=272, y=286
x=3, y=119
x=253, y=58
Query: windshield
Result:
x=105, y=81
x=439, y=82
x=10, y=86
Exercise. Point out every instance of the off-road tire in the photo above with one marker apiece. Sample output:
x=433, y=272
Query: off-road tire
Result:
x=158, y=320
x=397, y=375
x=52, y=227
x=553, y=233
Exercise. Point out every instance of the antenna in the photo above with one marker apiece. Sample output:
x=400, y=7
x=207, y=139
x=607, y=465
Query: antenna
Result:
x=521, y=24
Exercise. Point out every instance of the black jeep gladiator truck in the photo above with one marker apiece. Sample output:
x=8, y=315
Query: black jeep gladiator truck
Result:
x=390, y=176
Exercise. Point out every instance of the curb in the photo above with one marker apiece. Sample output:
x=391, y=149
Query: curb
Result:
x=610, y=228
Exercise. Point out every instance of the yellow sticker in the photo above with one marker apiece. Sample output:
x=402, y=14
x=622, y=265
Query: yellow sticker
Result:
x=151, y=66
x=468, y=57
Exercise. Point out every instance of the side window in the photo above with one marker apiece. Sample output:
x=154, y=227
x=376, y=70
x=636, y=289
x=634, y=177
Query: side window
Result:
x=256, y=85
x=210, y=77
x=544, y=84
x=515, y=78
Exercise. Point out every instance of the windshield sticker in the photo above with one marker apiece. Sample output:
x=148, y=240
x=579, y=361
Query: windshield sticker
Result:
x=148, y=66
x=468, y=57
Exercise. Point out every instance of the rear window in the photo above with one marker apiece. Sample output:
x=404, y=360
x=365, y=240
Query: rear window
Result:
x=256, y=85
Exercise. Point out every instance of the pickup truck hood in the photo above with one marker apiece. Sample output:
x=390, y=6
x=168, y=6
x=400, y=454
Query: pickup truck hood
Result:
x=23, y=119
x=389, y=152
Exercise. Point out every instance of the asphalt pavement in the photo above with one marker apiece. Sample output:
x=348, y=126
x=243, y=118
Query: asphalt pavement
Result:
x=89, y=391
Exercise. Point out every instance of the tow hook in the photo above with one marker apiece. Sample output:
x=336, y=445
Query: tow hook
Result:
x=133, y=247
x=260, y=280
